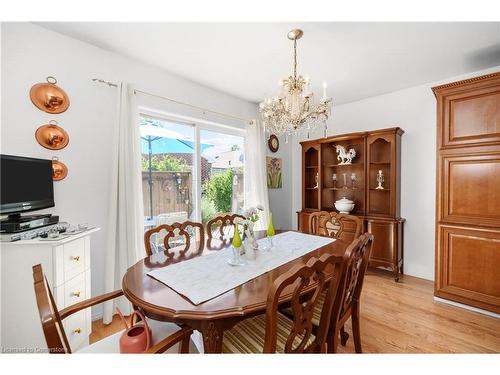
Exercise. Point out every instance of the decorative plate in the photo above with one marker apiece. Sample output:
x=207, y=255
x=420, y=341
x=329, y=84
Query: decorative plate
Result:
x=52, y=136
x=49, y=97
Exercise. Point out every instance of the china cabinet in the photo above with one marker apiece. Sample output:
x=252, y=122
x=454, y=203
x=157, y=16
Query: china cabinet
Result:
x=326, y=178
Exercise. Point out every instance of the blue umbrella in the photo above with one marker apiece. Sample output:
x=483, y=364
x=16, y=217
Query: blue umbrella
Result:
x=158, y=140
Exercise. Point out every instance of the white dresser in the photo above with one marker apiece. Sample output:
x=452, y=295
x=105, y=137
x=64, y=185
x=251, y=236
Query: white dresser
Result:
x=66, y=264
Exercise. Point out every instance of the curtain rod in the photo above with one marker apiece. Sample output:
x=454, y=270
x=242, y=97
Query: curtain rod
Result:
x=105, y=82
x=177, y=102
x=194, y=106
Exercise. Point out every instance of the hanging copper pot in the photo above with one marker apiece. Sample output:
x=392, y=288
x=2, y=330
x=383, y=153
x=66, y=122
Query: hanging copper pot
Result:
x=59, y=169
x=49, y=97
x=52, y=136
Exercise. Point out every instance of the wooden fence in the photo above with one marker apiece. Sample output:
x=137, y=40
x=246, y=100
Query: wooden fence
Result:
x=171, y=192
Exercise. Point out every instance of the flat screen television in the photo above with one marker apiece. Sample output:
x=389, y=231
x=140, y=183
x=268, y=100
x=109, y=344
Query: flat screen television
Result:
x=26, y=184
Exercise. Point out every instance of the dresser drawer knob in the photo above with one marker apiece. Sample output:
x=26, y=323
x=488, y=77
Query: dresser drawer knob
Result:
x=78, y=330
x=76, y=258
x=76, y=294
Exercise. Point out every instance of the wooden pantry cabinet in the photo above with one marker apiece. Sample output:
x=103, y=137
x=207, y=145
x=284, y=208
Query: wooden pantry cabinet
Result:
x=468, y=192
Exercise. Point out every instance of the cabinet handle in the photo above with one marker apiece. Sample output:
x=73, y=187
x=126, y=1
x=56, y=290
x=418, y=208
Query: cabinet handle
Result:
x=76, y=258
x=78, y=330
x=76, y=294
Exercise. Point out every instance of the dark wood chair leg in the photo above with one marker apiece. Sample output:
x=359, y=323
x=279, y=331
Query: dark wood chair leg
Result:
x=332, y=340
x=344, y=336
x=184, y=345
x=356, y=333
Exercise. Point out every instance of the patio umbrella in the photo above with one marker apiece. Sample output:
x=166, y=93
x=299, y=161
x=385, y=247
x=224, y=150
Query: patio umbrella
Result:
x=159, y=140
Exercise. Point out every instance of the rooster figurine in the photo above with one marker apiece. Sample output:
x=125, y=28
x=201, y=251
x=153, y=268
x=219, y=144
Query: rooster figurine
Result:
x=345, y=157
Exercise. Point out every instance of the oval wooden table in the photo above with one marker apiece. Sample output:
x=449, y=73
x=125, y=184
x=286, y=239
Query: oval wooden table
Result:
x=221, y=313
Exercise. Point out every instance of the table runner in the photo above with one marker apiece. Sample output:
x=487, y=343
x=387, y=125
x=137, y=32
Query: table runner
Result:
x=203, y=278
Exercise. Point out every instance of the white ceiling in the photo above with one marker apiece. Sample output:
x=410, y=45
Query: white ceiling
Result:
x=358, y=60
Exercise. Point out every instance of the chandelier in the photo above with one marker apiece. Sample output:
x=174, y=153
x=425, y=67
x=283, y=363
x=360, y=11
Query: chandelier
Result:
x=294, y=109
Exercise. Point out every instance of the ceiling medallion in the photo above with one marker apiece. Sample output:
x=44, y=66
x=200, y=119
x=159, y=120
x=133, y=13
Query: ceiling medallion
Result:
x=294, y=109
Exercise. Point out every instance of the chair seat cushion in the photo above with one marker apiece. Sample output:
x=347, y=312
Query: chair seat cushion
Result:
x=248, y=336
x=316, y=312
x=159, y=330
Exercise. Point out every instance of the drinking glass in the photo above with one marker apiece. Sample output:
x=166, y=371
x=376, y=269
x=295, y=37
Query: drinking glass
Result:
x=236, y=258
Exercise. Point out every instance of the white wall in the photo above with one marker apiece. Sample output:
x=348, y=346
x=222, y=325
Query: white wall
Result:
x=280, y=199
x=414, y=110
x=29, y=54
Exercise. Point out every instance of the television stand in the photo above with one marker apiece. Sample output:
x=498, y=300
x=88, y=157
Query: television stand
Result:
x=18, y=223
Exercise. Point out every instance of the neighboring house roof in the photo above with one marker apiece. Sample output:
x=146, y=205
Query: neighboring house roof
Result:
x=228, y=159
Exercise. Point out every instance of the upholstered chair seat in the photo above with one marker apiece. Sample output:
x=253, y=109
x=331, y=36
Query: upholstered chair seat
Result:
x=248, y=336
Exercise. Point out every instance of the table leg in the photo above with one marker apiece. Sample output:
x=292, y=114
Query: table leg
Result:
x=212, y=337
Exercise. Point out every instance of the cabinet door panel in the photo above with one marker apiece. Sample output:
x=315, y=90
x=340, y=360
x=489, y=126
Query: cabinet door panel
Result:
x=471, y=189
x=468, y=259
x=383, y=243
x=472, y=117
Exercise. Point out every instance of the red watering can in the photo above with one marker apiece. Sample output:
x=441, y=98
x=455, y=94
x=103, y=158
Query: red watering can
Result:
x=137, y=337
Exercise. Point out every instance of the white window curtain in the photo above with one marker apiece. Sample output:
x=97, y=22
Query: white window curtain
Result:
x=255, y=171
x=126, y=220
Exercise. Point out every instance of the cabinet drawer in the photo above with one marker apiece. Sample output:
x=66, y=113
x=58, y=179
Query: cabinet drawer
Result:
x=74, y=258
x=75, y=290
x=75, y=327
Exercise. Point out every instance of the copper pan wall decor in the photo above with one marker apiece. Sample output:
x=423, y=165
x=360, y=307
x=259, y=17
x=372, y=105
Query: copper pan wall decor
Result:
x=52, y=136
x=59, y=169
x=49, y=97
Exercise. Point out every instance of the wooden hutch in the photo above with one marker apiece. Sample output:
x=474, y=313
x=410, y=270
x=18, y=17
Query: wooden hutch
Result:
x=379, y=209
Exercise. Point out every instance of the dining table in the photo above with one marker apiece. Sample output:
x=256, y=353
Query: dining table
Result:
x=211, y=318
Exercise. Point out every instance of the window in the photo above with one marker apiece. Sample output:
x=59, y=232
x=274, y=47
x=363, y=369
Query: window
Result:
x=222, y=182
x=190, y=171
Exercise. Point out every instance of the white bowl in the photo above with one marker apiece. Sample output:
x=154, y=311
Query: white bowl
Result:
x=344, y=205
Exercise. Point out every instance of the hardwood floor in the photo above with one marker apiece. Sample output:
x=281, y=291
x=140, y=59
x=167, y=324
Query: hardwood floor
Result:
x=403, y=318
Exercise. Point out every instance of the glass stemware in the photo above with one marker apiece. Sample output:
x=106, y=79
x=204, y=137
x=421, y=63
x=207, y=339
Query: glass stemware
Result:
x=270, y=232
x=236, y=259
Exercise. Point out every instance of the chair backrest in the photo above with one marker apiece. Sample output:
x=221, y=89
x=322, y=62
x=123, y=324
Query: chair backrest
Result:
x=185, y=231
x=222, y=226
x=305, y=283
x=332, y=224
x=356, y=258
x=52, y=326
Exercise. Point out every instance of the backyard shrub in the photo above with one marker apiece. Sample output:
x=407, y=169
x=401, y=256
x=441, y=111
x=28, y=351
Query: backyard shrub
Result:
x=219, y=190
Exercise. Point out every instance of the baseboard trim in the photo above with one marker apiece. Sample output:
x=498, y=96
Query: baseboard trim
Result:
x=467, y=307
x=97, y=315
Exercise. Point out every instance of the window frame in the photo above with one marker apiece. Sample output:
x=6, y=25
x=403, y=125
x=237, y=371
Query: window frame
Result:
x=198, y=125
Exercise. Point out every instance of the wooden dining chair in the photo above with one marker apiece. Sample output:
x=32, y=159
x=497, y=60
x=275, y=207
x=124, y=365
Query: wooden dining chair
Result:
x=176, y=235
x=165, y=335
x=356, y=259
x=273, y=332
x=221, y=226
x=357, y=256
x=332, y=224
